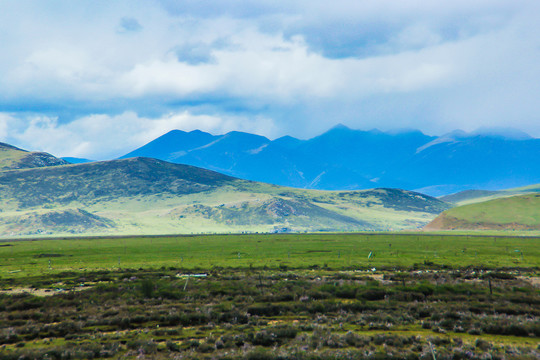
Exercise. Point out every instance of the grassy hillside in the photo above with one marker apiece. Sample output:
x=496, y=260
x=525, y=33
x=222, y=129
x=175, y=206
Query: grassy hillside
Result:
x=520, y=212
x=15, y=158
x=476, y=196
x=148, y=196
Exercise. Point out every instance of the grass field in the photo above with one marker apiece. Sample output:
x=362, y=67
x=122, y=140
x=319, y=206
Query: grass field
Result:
x=337, y=251
x=272, y=297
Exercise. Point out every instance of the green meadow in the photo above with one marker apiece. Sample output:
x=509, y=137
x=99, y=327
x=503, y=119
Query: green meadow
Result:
x=322, y=296
x=334, y=250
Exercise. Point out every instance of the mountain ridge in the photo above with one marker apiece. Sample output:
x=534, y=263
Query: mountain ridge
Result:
x=150, y=196
x=12, y=158
x=343, y=158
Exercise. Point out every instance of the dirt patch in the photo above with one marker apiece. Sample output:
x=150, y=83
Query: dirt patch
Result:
x=38, y=292
x=49, y=255
x=533, y=280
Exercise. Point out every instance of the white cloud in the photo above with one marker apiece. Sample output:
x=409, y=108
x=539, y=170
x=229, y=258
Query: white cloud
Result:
x=5, y=119
x=101, y=136
x=294, y=67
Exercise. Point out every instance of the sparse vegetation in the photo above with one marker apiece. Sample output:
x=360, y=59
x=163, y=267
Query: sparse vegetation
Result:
x=324, y=302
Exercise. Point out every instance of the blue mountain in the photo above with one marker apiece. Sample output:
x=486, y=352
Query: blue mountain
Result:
x=173, y=144
x=487, y=162
x=343, y=158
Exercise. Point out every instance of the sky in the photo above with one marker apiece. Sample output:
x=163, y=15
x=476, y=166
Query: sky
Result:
x=97, y=79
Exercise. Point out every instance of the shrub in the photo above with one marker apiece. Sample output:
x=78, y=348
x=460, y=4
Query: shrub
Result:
x=482, y=344
x=407, y=296
x=173, y=346
x=264, y=310
x=147, y=288
x=373, y=294
x=205, y=348
x=346, y=292
x=285, y=332
x=147, y=347
x=264, y=338
x=260, y=354
x=424, y=288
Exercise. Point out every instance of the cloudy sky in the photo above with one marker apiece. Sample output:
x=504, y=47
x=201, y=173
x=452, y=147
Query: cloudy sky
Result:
x=97, y=79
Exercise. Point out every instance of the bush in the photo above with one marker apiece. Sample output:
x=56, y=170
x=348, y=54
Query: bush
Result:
x=346, y=292
x=173, y=346
x=264, y=338
x=424, y=288
x=147, y=347
x=285, y=332
x=264, y=310
x=407, y=296
x=205, y=348
x=147, y=288
x=482, y=344
x=260, y=354
x=373, y=294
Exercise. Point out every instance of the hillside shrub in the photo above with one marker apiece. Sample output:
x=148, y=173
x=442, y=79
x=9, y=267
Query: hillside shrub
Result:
x=147, y=288
x=372, y=294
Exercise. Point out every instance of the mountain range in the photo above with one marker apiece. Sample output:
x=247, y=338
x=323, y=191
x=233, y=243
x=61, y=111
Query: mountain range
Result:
x=346, y=159
x=43, y=195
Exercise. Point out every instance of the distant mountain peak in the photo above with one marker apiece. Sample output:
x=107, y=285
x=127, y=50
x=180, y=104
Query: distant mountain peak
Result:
x=455, y=134
x=404, y=131
x=244, y=134
x=502, y=132
x=340, y=126
x=497, y=132
x=460, y=135
x=196, y=131
x=172, y=133
x=173, y=142
x=287, y=138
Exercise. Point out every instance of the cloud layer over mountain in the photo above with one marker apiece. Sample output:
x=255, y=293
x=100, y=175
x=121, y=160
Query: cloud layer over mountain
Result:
x=79, y=77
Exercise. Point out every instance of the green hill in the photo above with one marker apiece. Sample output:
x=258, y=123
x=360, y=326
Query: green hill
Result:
x=519, y=212
x=15, y=158
x=474, y=196
x=148, y=196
